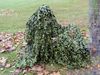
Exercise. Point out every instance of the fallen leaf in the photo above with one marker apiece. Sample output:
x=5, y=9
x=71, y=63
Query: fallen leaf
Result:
x=2, y=50
x=98, y=65
x=55, y=73
x=40, y=73
x=9, y=41
x=3, y=61
x=24, y=71
x=16, y=72
x=45, y=72
x=7, y=65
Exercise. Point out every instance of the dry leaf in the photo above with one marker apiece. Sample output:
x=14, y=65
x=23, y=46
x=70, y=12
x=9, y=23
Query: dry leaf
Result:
x=24, y=71
x=2, y=50
x=16, y=72
x=7, y=65
x=9, y=41
x=55, y=73
x=45, y=72
x=3, y=61
x=98, y=65
x=40, y=73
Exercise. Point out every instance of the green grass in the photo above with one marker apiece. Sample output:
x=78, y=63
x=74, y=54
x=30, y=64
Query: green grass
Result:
x=71, y=11
x=11, y=59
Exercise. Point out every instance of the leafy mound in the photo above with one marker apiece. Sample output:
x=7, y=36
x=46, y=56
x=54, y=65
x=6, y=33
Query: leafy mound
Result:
x=48, y=42
x=71, y=48
x=40, y=29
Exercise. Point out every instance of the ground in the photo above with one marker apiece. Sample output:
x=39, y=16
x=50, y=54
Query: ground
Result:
x=15, y=13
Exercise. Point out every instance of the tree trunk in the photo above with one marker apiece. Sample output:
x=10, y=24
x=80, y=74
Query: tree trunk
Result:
x=95, y=25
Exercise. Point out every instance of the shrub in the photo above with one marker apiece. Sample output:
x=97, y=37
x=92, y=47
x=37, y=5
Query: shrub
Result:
x=40, y=29
x=71, y=48
x=48, y=42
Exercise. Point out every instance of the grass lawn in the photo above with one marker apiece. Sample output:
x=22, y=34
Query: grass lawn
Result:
x=70, y=11
x=66, y=11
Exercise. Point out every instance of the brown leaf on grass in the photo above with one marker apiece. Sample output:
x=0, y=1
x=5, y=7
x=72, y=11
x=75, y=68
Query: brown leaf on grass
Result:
x=55, y=73
x=2, y=50
x=98, y=66
x=9, y=41
x=24, y=71
x=7, y=65
x=7, y=12
x=3, y=61
x=45, y=72
x=16, y=72
x=40, y=73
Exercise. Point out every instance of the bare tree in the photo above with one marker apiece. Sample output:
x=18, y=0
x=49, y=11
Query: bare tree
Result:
x=95, y=24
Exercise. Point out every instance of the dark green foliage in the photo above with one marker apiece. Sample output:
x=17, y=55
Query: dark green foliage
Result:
x=71, y=48
x=40, y=29
x=48, y=42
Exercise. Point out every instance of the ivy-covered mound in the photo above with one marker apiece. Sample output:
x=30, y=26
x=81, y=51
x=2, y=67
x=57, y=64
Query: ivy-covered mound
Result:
x=48, y=42
x=71, y=48
x=40, y=30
